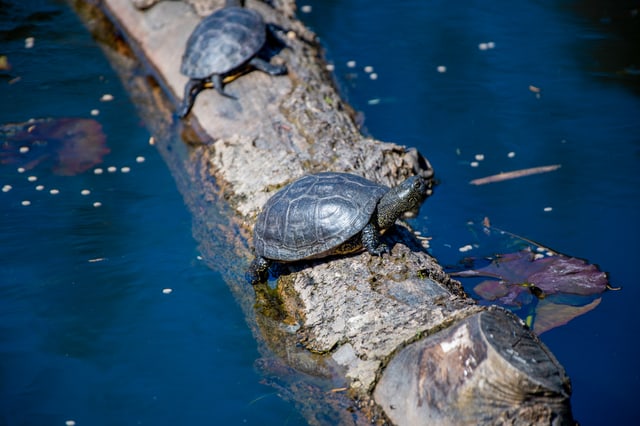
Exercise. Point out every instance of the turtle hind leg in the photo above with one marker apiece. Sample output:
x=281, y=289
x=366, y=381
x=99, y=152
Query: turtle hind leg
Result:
x=257, y=271
x=371, y=240
x=191, y=90
x=216, y=81
x=264, y=66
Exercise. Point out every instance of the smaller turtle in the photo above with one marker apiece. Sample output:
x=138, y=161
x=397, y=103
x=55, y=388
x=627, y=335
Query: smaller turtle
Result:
x=220, y=45
x=329, y=213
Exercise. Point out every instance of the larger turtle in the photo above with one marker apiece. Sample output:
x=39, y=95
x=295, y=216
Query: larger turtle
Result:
x=220, y=45
x=329, y=213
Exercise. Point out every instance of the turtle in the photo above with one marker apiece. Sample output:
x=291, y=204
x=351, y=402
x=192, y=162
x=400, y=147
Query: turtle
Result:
x=220, y=45
x=329, y=213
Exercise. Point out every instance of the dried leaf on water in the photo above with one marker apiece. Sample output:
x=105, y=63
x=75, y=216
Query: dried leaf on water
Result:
x=549, y=289
x=69, y=146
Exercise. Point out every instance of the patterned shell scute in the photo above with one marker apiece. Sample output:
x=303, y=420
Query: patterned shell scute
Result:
x=223, y=41
x=314, y=215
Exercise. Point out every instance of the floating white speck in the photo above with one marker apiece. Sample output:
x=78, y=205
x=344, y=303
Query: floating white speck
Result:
x=112, y=169
x=85, y=192
x=167, y=290
x=21, y=169
x=98, y=171
x=24, y=149
x=330, y=67
x=199, y=257
x=491, y=44
x=54, y=191
x=483, y=46
x=511, y=154
x=441, y=68
x=70, y=423
x=306, y=8
x=152, y=140
x=32, y=178
x=479, y=157
x=26, y=203
x=7, y=188
x=540, y=249
x=474, y=164
x=39, y=187
x=351, y=64
x=548, y=209
x=538, y=256
x=465, y=248
x=29, y=42
x=95, y=112
x=368, y=69
x=107, y=97
x=140, y=159
x=125, y=169
x=374, y=101
x=373, y=76
x=97, y=204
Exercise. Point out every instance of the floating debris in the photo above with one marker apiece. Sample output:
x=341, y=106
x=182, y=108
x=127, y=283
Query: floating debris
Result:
x=152, y=140
x=514, y=174
x=479, y=157
x=32, y=178
x=511, y=154
x=373, y=76
x=4, y=63
x=29, y=42
x=94, y=112
x=441, y=69
x=98, y=171
x=26, y=203
x=486, y=46
x=70, y=423
x=351, y=64
x=140, y=159
x=112, y=169
x=97, y=204
x=330, y=67
x=548, y=209
x=107, y=97
x=85, y=192
x=167, y=290
x=368, y=69
x=474, y=164
x=39, y=187
x=7, y=188
x=306, y=8
x=54, y=191
x=125, y=169
x=466, y=248
x=68, y=146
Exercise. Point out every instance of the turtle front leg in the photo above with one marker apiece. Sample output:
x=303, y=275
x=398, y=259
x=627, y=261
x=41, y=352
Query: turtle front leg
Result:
x=257, y=271
x=264, y=66
x=371, y=240
x=191, y=90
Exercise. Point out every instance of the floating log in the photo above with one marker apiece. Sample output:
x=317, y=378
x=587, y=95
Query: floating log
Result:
x=351, y=340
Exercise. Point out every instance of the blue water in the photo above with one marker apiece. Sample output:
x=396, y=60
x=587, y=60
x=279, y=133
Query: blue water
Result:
x=86, y=331
x=586, y=118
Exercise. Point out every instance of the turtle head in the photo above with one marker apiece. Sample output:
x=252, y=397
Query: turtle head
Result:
x=406, y=198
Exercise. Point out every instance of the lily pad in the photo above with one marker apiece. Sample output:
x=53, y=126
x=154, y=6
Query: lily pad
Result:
x=68, y=146
x=547, y=290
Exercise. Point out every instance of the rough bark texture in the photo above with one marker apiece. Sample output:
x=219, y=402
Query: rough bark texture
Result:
x=397, y=329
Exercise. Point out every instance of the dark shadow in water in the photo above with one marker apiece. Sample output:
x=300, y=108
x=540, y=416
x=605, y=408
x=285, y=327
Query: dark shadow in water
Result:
x=613, y=48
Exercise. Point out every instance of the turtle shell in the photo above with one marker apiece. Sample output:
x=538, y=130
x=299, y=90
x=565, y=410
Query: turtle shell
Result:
x=315, y=215
x=222, y=42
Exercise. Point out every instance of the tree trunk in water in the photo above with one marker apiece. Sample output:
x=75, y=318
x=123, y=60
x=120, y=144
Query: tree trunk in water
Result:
x=396, y=332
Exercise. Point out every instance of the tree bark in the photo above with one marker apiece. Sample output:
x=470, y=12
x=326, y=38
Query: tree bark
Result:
x=401, y=336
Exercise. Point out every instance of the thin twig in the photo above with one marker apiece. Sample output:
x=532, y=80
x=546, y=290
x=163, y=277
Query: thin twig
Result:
x=515, y=174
